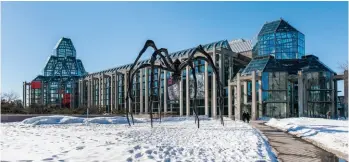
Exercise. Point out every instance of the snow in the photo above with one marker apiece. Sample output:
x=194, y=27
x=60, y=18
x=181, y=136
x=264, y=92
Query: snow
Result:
x=59, y=119
x=106, y=139
x=331, y=135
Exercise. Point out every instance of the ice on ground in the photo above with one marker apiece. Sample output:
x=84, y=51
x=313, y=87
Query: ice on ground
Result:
x=178, y=140
x=330, y=134
x=60, y=119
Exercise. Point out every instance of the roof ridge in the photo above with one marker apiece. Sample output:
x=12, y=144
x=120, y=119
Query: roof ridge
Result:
x=170, y=54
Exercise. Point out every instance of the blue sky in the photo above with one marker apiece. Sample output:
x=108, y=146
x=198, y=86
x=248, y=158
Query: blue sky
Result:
x=109, y=34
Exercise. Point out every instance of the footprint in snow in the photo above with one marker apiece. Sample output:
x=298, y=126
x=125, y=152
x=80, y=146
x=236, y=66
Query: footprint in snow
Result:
x=167, y=160
x=130, y=151
x=129, y=159
x=149, y=151
x=138, y=155
x=166, y=152
x=137, y=147
x=47, y=159
x=80, y=147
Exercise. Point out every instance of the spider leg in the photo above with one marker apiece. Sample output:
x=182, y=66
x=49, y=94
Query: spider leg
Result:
x=128, y=120
x=148, y=43
x=167, y=56
x=159, y=92
x=163, y=58
x=208, y=59
x=195, y=93
x=129, y=91
x=129, y=101
x=131, y=112
x=188, y=62
x=189, y=59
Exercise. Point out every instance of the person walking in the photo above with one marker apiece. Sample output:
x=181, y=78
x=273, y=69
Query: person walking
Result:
x=248, y=117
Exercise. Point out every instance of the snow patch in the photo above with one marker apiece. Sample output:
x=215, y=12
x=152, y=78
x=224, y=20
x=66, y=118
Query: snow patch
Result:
x=59, y=119
x=179, y=140
x=332, y=135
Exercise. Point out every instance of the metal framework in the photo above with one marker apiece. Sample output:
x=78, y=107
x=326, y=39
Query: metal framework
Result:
x=176, y=68
x=57, y=86
x=280, y=39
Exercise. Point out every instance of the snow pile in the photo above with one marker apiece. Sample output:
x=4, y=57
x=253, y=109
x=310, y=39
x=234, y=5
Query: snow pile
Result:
x=332, y=135
x=342, y=118
x=59, y=119
x=168, y=141
x=56, y=119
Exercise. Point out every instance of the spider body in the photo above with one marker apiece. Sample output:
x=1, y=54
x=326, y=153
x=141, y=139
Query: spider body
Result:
x=176, y=68
x=176, y=76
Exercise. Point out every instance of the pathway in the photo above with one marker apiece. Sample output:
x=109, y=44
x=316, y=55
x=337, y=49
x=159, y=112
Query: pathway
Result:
x=290, y=149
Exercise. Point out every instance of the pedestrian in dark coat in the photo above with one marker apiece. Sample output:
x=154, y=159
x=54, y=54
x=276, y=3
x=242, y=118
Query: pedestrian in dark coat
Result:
x=243, y=116
x=248, y=117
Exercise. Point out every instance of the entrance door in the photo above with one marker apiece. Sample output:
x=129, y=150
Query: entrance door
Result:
x=293, y=92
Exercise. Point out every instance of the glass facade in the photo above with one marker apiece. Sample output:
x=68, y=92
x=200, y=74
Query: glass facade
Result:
x=59, y=79
x=319, y=91
x=281, y=40
x=121, y=85
x=136, y=92
x=257, y=64
x=65, y=48
x=279, y=55
x=274, y=93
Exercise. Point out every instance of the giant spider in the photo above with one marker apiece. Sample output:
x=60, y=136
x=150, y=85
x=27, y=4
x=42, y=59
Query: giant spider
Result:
x=176, y=68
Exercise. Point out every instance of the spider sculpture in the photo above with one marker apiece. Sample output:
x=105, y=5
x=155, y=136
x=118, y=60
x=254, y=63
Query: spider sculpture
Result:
x=176, y=68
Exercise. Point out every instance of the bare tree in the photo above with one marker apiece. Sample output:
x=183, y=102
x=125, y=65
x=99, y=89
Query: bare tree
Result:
x=343, y=66
x=10, y=96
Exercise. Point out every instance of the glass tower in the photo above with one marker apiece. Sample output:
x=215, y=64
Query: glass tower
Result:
x=281, y=40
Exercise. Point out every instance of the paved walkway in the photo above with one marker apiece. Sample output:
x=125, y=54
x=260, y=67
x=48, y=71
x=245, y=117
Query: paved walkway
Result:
x=292, y=149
